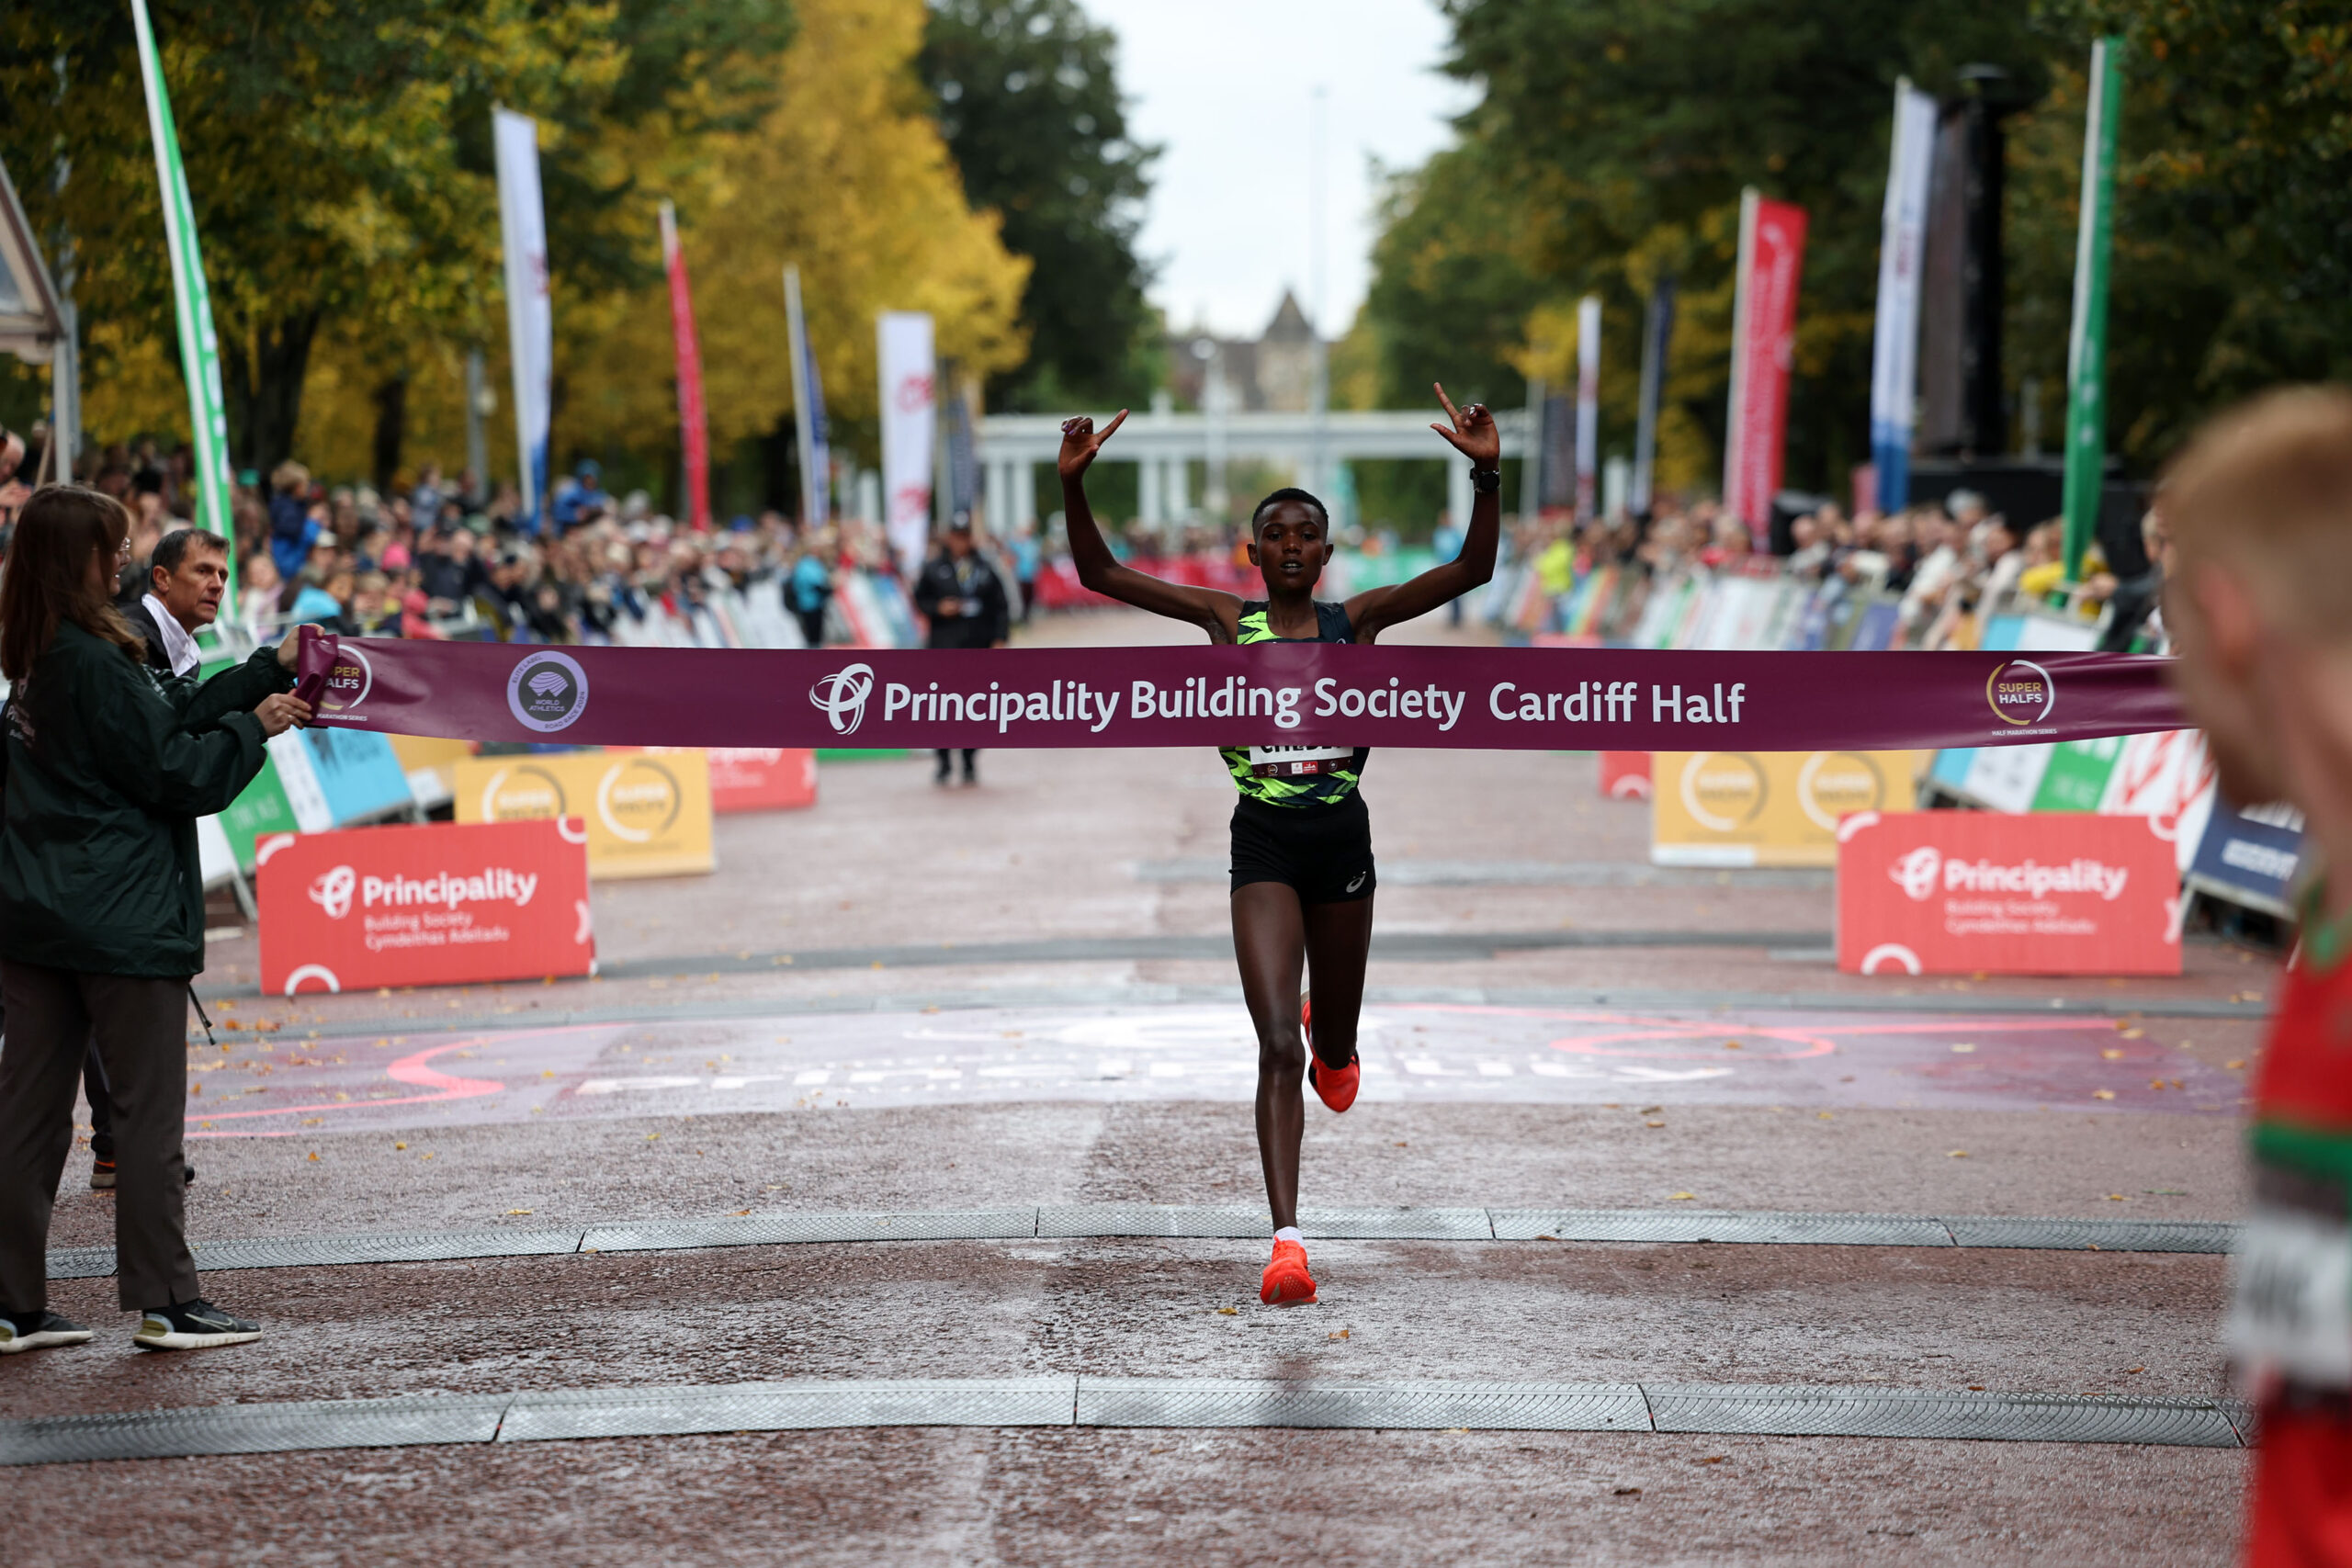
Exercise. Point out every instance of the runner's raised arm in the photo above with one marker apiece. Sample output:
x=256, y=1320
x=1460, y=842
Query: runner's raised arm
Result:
x=1214, y=611
x=1476, y=436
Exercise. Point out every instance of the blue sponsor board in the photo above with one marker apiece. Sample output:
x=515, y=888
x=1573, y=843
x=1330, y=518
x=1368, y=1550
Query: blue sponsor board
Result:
x=358, y=773
x=2250, y=857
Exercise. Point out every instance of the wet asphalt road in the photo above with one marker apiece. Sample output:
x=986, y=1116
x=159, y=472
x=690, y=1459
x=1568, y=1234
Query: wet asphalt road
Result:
x=682, y=1089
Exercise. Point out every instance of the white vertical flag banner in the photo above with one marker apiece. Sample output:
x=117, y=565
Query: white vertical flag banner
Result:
x=1587, y=401
x=908, y=423
x=813, y=444
x=1895, y=359
x=530, y=314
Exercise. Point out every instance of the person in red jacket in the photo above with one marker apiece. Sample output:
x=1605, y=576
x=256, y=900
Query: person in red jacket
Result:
x=2258, y=602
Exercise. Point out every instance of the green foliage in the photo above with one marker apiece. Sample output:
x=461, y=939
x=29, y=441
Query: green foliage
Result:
x=339, y=162
x=1613, y=138
x=1028, y=99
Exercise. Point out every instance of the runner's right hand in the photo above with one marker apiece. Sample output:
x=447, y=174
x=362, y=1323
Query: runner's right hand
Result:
x=1080, y=441
x=281, y=711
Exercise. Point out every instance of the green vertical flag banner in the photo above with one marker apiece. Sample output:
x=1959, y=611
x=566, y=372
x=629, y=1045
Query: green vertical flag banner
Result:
x=2087, y=343
x=199, y=348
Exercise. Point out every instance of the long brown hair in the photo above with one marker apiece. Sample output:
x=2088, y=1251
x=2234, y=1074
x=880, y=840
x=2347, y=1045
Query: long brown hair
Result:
x=46, y=576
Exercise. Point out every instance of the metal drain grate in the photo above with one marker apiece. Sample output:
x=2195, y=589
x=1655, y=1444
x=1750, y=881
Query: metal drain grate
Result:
x=1758, y=1226
x=761, y=1230
x=1439, y=1406
x=788, y=1406
x=1078, y=1220
x=1892, y=1413
x=2108, y=1235
x=1728, y=1409
x=252, y=1429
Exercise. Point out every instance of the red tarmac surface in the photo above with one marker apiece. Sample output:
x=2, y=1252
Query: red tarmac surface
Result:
x=686, y=1087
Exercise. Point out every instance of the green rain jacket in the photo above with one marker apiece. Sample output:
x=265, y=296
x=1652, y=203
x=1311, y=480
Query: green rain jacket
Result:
x=108, y=766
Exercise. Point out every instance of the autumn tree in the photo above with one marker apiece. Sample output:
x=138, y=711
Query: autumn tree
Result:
x=1028, y=99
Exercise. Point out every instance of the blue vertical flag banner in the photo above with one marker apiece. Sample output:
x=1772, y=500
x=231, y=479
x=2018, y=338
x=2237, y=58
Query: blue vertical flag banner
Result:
x=530, y=313
x=1657, y=336
x=808, y=410
x=1895, y=363
x=199, y=348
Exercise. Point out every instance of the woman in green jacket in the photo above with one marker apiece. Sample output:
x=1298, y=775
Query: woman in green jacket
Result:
x=108, y=766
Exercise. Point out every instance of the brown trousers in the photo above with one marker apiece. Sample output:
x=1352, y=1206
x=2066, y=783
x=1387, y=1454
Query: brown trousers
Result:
x=141, y=1029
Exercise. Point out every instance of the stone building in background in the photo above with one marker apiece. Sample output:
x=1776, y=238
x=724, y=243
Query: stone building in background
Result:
x=1274, y=372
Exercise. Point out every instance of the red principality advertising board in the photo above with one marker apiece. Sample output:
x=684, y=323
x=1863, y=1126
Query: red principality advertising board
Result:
x=444, y=904
x=1960, y=892
x=754, y=778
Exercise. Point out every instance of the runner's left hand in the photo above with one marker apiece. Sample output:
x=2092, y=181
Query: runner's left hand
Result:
x=1474, y=434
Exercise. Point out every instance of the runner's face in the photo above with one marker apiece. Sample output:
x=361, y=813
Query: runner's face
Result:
x=1290, y=547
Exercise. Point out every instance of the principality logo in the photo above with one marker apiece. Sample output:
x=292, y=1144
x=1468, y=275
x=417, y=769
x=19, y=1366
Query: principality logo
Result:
x=1916, y=872
x=332, y=890
x=348, y=683
x=548, y=691
x=843, y=696
x=2021, y=692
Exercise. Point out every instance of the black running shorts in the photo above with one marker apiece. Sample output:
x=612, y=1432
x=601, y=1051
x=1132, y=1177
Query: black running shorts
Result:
x=1323, y=853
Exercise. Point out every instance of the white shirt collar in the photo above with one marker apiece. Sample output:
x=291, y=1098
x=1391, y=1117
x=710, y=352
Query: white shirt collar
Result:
x=178, y=647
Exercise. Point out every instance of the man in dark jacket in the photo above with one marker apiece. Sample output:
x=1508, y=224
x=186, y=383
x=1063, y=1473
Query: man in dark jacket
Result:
x=962, y=599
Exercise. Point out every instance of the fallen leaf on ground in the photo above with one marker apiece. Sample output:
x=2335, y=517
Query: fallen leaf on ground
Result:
x=1731, y=1045
x=741, y=1212
x=1714, y=1459
x=1827, y=1115
x=1629, y=1491
x=1681, y=1197
x=1956, y=1154
x=518, y=1210
x=2117, y=1198
x=1228, y=1312
x=1963, y=1050
x=2102, y=1094
x=2234, y=1066
x=314, y=1154
x=2129, y=1369
x=1547, y=1236
x=1337, y=1334
x=400, y=1146
x=1976, y=1388
x=2133, y=1034
x=2112, y=1055
x=1652, y=1110
x=1653, y=1123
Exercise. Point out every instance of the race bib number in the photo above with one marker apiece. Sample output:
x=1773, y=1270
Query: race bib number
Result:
x=1296, y=762
x=2291, y=1313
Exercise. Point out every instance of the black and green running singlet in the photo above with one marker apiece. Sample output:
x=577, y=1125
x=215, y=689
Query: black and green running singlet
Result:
x=1296, y=775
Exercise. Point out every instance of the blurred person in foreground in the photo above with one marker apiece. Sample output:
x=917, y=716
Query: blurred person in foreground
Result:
x=102, y=906
x=2259, y=606
x=962, y=597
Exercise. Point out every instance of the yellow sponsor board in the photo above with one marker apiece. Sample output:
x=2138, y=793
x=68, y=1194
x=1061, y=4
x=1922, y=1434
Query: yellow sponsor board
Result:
x=1768, y=807
x=647, y=815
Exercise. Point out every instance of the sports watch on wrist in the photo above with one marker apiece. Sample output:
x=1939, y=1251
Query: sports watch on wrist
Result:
x=1488, y=480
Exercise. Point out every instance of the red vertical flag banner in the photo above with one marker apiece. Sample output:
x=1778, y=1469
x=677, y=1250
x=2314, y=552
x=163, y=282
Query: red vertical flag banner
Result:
x=1764, y=336
x=694, y=429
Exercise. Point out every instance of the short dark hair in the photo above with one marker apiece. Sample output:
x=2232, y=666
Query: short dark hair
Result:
x=1289, y=492
x=174, y=547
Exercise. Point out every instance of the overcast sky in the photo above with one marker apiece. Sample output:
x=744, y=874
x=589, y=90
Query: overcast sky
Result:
x=1227, y=88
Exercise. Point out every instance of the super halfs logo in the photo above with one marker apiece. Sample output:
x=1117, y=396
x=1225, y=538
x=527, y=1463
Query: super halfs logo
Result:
x=2021, y=692
x=548, y=691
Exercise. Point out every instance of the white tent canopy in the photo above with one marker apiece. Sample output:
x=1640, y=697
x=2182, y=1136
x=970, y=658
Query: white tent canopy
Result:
x=30, y=323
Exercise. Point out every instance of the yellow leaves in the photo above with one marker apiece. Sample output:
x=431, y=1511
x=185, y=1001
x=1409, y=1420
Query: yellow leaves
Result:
x=1825, y=1115
x=1956, y=1154
x=1962, y=1049
x=2102, y=1094
x=1682, y=1197
x=1654, y=1124
x=2112, y=1054
x=399, y=1146
x=2236, y=1066
x=314, y=1154
x=1228, y=1312
x=518, y=1212
x=1337, y=1334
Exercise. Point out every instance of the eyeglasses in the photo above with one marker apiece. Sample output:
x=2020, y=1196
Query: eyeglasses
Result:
x=123, y=553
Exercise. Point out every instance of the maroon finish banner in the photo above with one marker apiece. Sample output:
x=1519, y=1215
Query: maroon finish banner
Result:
x=1277, y=696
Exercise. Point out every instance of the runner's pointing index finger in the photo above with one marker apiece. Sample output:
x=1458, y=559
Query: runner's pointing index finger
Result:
x=1117, y=420
x=1450, y=411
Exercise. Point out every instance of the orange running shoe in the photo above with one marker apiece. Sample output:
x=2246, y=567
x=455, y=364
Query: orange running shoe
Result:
x=1336, y=1086
x=1287, y=1282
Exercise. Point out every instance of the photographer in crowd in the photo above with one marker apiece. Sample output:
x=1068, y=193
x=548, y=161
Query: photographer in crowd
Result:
x=108, y=767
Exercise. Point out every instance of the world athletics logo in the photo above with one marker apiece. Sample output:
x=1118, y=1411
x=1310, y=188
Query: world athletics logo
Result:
x=2021, y=692
x=548, y=691
x=843, y=696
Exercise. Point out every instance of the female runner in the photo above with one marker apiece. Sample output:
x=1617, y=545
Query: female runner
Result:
x=1302, y=840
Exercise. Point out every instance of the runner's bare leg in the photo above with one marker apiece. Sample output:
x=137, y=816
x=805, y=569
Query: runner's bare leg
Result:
x=1269, y=945
x=1339, y=941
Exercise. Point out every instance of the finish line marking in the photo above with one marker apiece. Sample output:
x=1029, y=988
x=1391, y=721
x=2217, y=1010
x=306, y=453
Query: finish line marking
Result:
x=1101, y=1402
x=1103, y=1221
